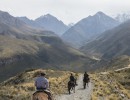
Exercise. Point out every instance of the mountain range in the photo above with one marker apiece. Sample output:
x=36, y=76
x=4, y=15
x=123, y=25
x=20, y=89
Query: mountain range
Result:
x=23, y=46
x=25, y=42
x=111, y=44
x=88, y=29
x=47, y=22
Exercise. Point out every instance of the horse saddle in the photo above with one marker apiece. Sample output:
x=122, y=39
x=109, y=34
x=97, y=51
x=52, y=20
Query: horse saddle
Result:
x=38, y=91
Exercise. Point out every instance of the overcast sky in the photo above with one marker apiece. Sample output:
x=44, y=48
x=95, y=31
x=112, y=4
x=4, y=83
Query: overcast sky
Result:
x=66, y=10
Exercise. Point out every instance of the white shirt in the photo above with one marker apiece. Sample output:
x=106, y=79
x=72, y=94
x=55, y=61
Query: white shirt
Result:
x=41, y=82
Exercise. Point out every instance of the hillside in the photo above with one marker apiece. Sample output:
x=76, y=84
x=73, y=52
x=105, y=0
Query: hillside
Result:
x=114, y=85
x=22, y=87
x=15, y=28
x=88, y=29
x=18, y=55
x=114, y=82
x=23, y=47
x=111, y=44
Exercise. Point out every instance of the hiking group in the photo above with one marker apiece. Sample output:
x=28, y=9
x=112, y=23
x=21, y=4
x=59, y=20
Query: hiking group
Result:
x=43, y=88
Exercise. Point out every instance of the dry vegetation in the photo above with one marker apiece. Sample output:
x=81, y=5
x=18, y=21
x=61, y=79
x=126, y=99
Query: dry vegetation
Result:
x=114, y=85
x=21, y=87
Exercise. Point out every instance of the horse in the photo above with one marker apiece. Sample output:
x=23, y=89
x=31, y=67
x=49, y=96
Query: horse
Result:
x=85, y=81
x=71, y=86
x=40, y=95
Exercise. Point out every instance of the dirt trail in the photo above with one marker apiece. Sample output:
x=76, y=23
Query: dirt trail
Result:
x=80, y=93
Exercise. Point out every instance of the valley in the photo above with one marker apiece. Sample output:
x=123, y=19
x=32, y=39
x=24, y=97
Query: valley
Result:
x=98, y=44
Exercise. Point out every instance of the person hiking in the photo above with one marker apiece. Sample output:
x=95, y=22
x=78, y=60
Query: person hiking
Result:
x=85, y=79
x=42, y=84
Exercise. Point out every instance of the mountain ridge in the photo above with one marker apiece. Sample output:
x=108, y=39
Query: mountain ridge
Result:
x=117, y=41
x=88, y=29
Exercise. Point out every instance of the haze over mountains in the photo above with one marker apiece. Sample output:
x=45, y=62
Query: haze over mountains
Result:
x=88, y=29
x=111, y=44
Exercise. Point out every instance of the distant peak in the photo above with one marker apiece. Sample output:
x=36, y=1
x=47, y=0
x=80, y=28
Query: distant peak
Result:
x=101, y=13
x=47, y=16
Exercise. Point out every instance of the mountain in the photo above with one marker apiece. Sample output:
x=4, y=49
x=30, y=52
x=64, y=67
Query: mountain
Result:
x=18, y=55
x=23, y=47
x=51, y=23
x=88, y=29
x=16, y=28
x=31, y=23
x=123, y=17
x=15, y=23
x=111, y=44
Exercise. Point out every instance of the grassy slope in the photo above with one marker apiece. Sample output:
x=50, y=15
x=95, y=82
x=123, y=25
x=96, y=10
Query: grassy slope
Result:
x=10, y=47
x=17, y=55
x=112, y=85
x=22, y=86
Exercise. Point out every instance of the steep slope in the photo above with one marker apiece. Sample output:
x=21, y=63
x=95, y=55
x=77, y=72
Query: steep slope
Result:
x=112, y=43
x=51, y=23
x=88, y=29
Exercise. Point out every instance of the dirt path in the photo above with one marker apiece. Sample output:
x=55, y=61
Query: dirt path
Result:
x=80, y=94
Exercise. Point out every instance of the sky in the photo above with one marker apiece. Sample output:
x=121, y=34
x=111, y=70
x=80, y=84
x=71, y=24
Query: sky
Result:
x=69, y=11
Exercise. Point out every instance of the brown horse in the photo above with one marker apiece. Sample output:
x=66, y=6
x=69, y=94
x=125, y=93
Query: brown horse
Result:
x=40, y=95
